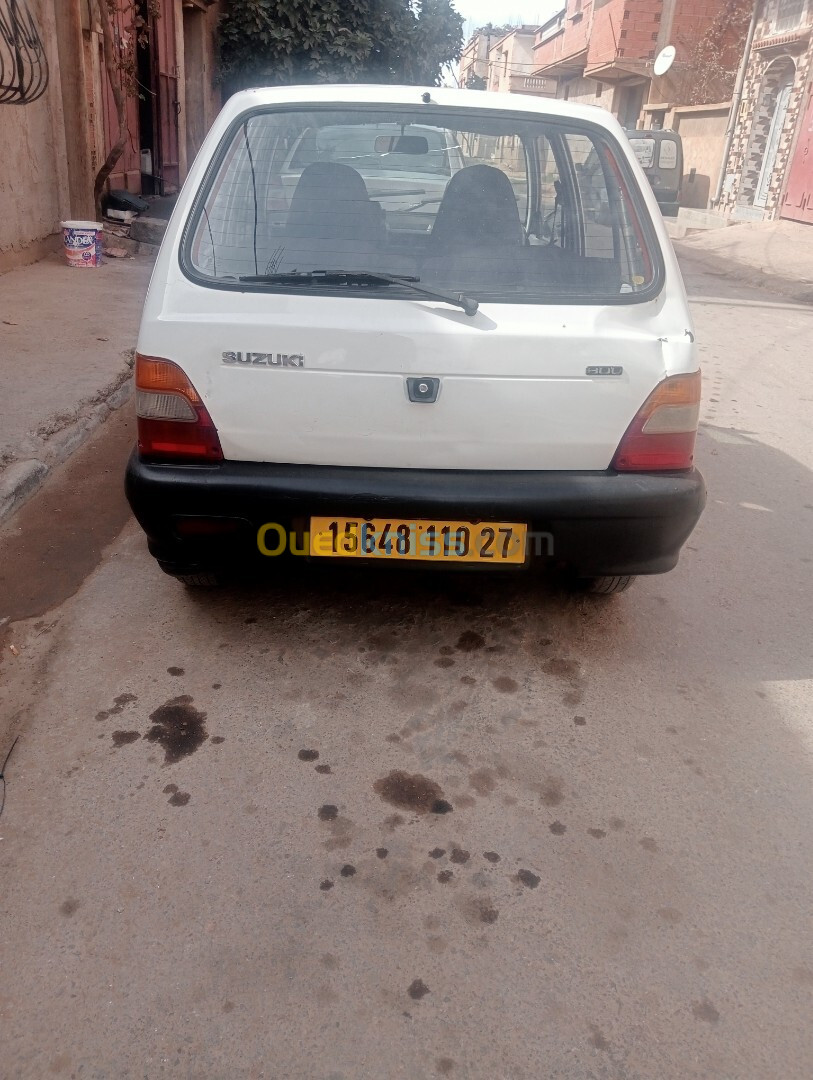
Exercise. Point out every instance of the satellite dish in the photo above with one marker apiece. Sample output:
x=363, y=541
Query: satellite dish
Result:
x=664, y=60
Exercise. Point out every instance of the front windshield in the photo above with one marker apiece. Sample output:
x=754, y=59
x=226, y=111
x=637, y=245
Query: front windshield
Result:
x=503, y=208
x=356, y=146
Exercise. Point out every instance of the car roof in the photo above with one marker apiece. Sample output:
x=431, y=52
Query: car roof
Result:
x=366, y=94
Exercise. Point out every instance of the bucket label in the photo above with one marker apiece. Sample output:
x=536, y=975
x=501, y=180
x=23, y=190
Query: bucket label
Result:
x=80, y=238
x=83, y=246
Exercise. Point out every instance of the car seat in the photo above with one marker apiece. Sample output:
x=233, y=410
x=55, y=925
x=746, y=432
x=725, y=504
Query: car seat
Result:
x=478, y=209
x=331, y=202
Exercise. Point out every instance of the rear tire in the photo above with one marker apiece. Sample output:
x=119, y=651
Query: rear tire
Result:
x=607, y=584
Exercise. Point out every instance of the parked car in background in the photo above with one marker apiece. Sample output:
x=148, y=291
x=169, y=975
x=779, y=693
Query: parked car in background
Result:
x=499, y=373
x=660, y=155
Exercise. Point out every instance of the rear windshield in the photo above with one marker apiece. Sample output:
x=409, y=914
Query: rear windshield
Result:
x=499, y=207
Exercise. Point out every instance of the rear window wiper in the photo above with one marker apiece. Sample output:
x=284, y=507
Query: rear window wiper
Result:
x=361, y=277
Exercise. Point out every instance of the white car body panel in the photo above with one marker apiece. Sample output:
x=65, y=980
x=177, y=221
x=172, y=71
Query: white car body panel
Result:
x=514, y=389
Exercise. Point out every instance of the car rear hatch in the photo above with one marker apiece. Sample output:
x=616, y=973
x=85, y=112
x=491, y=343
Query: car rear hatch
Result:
x=520, y=387
x=580, y=313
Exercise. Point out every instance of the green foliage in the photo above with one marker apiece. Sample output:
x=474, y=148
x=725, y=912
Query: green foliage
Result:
x=495, y=32
x=274, y=42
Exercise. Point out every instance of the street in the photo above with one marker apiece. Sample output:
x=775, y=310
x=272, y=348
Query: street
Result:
x=342, y=825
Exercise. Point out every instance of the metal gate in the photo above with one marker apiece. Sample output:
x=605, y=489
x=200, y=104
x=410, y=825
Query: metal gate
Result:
x=798, y=202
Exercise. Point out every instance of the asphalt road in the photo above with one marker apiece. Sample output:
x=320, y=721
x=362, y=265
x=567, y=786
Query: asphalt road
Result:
x=221, y=854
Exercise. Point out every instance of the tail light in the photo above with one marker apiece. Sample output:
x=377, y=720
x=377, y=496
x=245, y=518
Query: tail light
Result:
x=173, y=424
x=663, y=433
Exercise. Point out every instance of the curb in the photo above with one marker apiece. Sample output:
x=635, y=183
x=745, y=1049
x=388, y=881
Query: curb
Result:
x=801, y=292
x=20, y=479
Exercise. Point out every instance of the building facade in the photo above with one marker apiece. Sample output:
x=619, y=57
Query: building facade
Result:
x=511, y=65
x=769, y=172
x=503, y=61
x=473, y=71
x=58, y=119
x=602, y=52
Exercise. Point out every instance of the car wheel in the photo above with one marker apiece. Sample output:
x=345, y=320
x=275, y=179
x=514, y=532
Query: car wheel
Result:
x=607, y=585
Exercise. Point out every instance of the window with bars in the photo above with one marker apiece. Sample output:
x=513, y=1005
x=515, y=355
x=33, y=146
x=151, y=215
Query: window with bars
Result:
x=790, y=14
x=23, y=64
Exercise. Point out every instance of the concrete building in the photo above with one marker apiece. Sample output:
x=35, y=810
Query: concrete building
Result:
x=602, y=52
x=54, y=139
x=473, y=71
x=502, y=60
x=769, y=171
x=511, y=65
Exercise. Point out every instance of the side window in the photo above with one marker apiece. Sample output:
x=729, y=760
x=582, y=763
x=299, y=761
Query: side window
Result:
x=593, y=197
x=644, y=150
x=667, y=156
x=547, y=220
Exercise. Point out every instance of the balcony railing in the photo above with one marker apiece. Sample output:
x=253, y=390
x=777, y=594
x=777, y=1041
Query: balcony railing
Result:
x=531, y=84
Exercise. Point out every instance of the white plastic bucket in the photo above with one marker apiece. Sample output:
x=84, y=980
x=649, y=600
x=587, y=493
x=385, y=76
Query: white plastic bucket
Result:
x=83, y=242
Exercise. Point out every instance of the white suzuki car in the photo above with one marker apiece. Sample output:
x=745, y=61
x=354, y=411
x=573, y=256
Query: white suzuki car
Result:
x=461, y=338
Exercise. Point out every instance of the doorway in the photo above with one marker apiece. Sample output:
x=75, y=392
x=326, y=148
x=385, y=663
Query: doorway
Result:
x=798, y=203
x=766, y=132
x=630, y=103
x=194, y=44
x=146, y=110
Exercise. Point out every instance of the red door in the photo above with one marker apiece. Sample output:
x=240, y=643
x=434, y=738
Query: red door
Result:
x=127, y=171
x=798, y=202
x=167, y=104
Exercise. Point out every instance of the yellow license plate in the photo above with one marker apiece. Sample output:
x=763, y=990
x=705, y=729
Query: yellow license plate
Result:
x=487, y=542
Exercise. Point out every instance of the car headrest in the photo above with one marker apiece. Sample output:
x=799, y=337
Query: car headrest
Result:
x=478, y=208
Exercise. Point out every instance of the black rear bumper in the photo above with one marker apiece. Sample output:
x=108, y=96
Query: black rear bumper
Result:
x=593, y=522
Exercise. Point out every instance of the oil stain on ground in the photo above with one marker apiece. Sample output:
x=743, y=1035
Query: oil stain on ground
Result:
x=476, y=910
x=412, y=792
x=418, y=989
x=528, y=879
x=117, y=707
x=704, y=1010
x=483, y=781
x=178, y=727
x=470, y=641
x=124, y=738
x=598, y=1039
